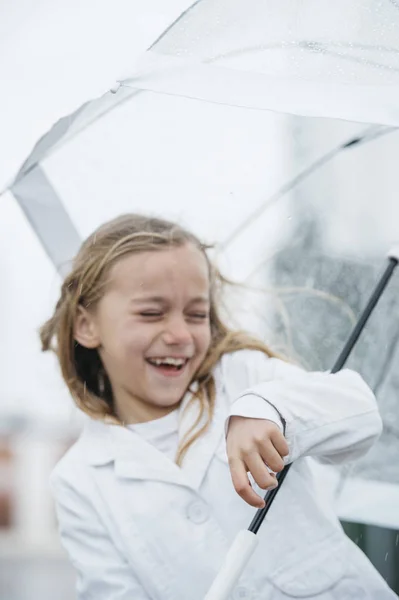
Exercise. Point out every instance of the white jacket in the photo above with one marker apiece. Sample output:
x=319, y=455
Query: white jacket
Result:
x=138, y=527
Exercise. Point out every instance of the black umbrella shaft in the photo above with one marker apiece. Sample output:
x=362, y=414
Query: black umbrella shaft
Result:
x=375, y=296
x=341, y=360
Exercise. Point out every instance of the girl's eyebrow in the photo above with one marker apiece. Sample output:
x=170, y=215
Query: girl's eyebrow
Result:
x=162, y=300
x=200, y=299
x=141, y=299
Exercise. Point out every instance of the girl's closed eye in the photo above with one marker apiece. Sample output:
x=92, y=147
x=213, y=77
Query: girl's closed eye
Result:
x=199, y=316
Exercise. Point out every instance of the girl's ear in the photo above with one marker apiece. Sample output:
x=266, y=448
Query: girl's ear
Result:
x=85, y=329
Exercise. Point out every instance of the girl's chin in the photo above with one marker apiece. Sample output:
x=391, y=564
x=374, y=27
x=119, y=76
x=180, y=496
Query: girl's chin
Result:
x=162, y=407
x=167, y=396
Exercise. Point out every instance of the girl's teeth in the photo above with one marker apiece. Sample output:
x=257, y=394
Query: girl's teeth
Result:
x=177, y=362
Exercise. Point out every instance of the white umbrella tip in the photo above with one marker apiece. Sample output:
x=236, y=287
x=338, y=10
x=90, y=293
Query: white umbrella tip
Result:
x=115, y=87
x=394, y=252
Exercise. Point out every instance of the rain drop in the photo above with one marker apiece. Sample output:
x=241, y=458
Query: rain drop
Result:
x=397, y=540
x=386, y=556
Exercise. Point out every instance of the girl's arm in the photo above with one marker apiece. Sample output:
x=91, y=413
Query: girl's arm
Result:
x=333, y=417
x=102, y=572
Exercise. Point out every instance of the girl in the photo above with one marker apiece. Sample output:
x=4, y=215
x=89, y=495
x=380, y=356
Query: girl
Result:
x=153, y=493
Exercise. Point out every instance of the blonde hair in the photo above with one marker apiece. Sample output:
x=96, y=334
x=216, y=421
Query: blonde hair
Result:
x=81, y=367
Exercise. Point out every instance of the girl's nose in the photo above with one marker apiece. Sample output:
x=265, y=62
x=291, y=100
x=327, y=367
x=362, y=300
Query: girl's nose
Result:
x=177, y=332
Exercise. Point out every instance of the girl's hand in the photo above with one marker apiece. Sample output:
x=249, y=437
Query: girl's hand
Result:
x=252, y=446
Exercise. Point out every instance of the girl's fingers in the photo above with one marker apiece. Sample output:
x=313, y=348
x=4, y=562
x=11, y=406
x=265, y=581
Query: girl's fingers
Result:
x=280, y=443
x=271, y=456
x=242, y=486
x=259, y=471
x=256, y=446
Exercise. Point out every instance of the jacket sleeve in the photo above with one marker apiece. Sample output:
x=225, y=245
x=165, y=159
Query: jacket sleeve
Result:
x=102, y=572
x=332, y=417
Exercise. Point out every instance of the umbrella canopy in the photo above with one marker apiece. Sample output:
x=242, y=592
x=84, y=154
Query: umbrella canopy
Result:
x=310, y=58
x=268, y=129
x=55, y=55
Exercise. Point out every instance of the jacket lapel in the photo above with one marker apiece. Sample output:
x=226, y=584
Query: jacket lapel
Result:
x=135, y=458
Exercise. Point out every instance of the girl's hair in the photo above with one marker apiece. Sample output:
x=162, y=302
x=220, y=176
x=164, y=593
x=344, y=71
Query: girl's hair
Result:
x=81, y=367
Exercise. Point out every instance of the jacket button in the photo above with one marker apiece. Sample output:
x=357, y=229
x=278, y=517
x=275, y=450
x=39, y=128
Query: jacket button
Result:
x=198, y=513
x=242, y=593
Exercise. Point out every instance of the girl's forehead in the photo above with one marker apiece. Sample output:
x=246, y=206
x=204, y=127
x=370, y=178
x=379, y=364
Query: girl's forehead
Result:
x=180, y=266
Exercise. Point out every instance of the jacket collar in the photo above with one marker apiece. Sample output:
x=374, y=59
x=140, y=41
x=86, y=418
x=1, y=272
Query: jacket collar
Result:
x=135, y=458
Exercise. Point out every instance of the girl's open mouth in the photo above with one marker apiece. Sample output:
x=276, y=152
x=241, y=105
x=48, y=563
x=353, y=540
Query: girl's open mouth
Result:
x=168, y=366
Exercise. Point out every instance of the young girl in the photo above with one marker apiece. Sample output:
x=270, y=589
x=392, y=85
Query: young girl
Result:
x=180, y=411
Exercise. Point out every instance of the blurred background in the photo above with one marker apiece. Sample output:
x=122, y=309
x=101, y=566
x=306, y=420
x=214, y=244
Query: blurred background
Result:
x=302, y=210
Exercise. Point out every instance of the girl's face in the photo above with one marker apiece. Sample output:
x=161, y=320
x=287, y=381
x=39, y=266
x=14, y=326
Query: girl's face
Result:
x=151, y=328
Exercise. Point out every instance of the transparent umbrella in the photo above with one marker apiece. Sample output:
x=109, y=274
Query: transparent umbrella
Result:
x=269, y=129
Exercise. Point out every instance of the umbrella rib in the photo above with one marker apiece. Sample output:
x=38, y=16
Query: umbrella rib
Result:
x=170, y=27
x=68, y=137
x=369, y=134
x=287, y=187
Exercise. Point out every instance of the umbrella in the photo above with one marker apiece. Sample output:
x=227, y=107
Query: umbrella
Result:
x=221, y=119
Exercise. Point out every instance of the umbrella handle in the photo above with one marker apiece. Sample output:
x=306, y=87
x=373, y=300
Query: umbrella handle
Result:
x=236, y=559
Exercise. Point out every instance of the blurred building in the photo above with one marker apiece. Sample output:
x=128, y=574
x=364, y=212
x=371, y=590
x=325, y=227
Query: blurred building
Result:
x=32, y=561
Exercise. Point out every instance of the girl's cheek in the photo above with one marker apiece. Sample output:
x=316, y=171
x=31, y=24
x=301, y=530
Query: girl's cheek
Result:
x=206, y=336
x=138, y=336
